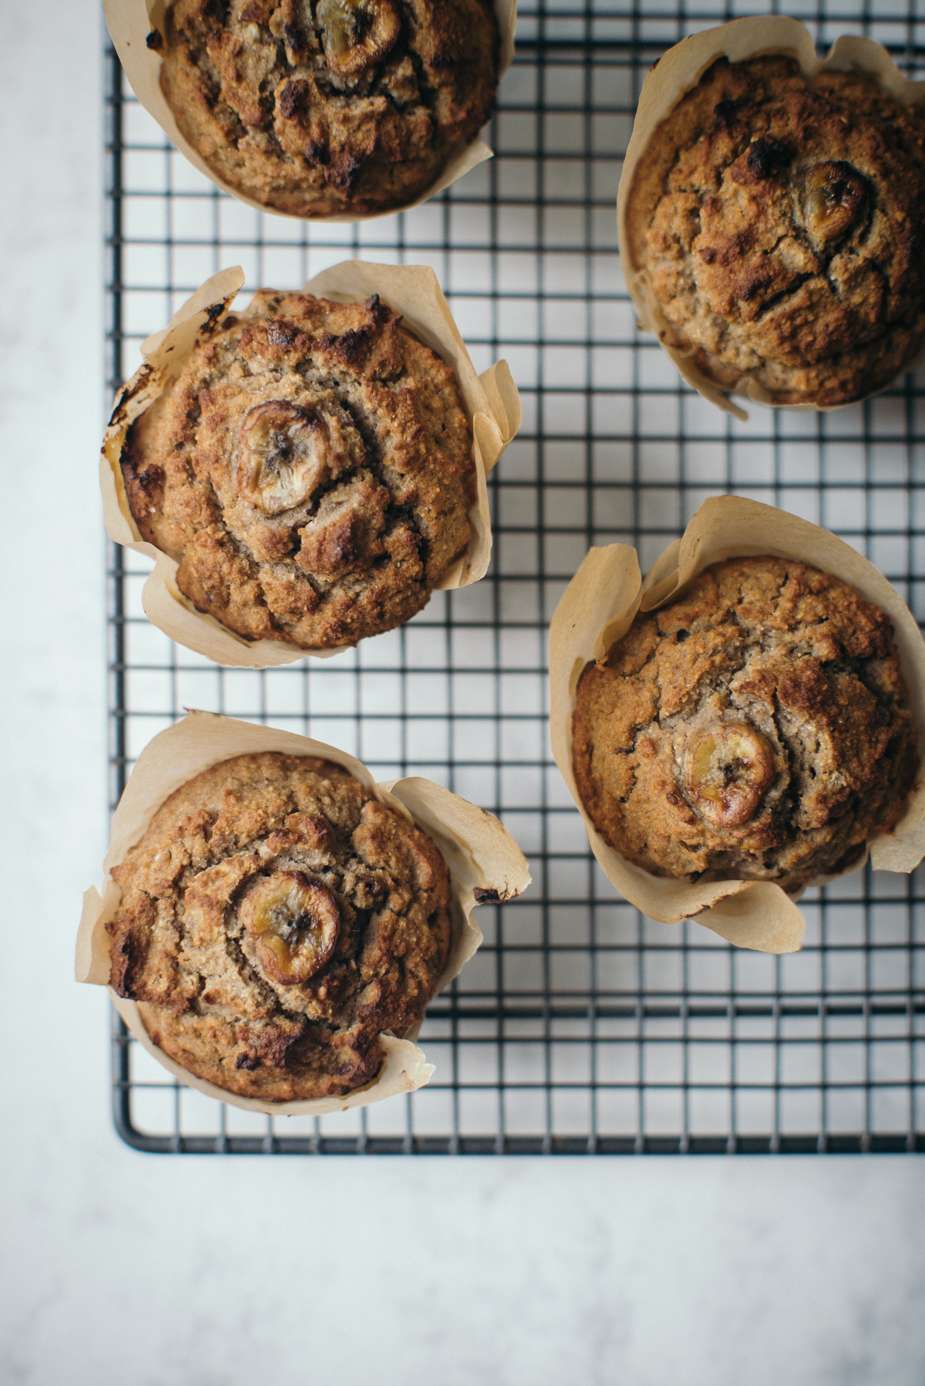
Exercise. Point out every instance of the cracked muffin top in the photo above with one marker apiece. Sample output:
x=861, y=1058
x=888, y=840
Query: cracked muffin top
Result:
x=780, y=222
x=327, y=107
x=275, y=919
x=756, y=728
x=310, y=470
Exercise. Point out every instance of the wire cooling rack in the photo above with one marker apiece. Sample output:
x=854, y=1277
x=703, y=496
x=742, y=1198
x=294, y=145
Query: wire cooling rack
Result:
x=580, y=1026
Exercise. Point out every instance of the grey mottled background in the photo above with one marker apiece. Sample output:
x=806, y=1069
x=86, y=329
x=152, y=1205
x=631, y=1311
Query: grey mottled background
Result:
x=125, y=1270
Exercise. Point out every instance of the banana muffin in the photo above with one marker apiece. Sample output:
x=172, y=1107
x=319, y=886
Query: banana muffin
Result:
x=310, y=470
x=332, y=107
x=780, y=223
x=755, y=728
x=275, y=919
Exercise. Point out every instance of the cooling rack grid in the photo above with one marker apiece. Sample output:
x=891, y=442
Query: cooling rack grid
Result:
x=580, y=1027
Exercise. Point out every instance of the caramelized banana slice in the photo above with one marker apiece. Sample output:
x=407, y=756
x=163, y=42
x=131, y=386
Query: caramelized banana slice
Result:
x=727, y=769
x=356, y=33
x=284, y=455
x=294, y=923
x=833, y=201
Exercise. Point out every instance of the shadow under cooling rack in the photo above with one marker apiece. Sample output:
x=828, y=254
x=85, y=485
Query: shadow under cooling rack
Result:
x=580, y=1026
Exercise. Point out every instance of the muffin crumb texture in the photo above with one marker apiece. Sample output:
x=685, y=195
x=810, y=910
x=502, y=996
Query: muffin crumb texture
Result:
x=781, y=224
x=275, y=920
x=331, y=107
x=310, y=470
x=757, y=728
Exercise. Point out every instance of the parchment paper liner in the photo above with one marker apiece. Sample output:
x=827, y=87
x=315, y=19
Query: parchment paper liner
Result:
x=677, y=72
x=130, y=22
x=598, y=608
x=484, y=860
x=491, y=402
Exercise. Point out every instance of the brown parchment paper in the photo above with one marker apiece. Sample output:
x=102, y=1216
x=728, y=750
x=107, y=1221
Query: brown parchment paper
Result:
x=598, y=608
x=130, y=22
x=484, y=860
x=491, y=402
x=675, y=74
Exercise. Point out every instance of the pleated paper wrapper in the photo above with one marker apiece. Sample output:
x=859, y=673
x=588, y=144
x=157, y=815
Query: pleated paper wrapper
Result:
x=677, y=72
x=485, y=863
x=598, y=608
x=491, y=403
x=130, y=22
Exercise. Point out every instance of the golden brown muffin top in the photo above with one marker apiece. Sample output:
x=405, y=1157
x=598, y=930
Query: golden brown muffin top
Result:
x=757, y=727
x=275, y=919
x=781, y=222
x=331, y=107
x=310, y=470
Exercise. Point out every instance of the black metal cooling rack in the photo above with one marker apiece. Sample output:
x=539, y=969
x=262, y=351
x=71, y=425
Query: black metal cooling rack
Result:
x=580, y=1026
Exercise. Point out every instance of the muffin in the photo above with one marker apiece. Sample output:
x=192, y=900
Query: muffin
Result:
x=342, y=107
x=777, y=222
x=309, y=469
x=276, y=918
x=755, y=728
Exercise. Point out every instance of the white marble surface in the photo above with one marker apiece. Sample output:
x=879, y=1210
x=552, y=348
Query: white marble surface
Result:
x=125, y=1270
